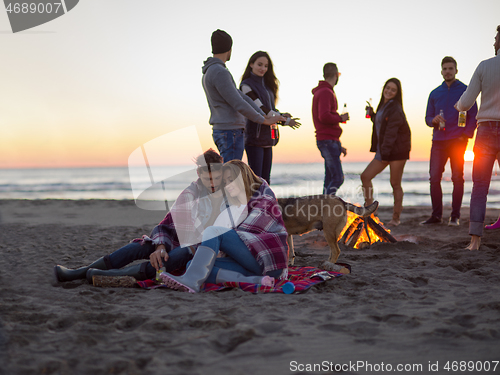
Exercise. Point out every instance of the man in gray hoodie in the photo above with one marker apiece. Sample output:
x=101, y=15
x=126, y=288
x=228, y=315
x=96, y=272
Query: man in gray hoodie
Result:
x=229, y=107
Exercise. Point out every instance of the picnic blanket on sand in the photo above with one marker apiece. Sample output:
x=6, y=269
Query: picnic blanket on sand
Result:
x=302, y=277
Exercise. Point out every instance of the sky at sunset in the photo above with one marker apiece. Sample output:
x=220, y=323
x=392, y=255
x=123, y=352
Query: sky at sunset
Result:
x=90, y=87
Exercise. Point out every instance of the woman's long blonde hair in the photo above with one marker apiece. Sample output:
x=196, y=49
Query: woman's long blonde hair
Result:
x=251, y=181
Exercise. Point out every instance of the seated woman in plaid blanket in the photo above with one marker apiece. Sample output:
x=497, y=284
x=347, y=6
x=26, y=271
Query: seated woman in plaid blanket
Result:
x=255, y=246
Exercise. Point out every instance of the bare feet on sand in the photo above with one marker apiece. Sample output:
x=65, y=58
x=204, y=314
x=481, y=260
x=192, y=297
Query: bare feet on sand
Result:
x=394, y=223
x=475, y=242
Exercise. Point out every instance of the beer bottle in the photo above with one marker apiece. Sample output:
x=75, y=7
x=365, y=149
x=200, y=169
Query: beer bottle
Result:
x=344, y=111
x=441, y=123
x=462, y=115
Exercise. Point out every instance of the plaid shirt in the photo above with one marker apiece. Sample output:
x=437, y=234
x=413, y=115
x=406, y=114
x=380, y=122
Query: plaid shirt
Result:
x=264, y=232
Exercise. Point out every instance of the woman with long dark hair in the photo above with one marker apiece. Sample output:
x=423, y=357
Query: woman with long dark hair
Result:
x=260, y=83
x=391, y=142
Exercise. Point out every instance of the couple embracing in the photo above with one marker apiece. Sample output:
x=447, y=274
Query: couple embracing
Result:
x=227, y=224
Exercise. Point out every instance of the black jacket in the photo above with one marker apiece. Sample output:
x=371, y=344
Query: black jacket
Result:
x=395, y=134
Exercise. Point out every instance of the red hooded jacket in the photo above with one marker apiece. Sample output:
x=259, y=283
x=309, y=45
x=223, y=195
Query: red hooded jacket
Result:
x=324, y=111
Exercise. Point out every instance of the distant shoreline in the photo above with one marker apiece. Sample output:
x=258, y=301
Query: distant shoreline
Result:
x=184, y=165
x=127, y=202
x=287, y=180
x=108, y=212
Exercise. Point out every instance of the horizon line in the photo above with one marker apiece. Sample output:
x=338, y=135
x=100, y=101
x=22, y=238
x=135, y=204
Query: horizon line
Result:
x=174, y=165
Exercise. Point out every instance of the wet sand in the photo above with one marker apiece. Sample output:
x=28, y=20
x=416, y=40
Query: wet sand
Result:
x=421, y=302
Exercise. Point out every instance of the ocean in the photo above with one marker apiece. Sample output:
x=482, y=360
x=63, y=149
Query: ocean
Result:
x=286, y=180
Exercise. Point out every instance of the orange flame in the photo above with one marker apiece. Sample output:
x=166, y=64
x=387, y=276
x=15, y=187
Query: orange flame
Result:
x=351, y=216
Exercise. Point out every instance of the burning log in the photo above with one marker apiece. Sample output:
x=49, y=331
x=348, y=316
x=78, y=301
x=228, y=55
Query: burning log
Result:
x=351, y=242
x=363, y=231
x=380, y=231
x=367, y=233
x=350, y=230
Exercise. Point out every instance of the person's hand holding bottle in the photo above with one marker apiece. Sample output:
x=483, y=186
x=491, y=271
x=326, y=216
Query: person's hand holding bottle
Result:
x=344, y=117
x=369, y=109
x=345, y=114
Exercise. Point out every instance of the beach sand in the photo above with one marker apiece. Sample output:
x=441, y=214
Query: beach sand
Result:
x=425, y=301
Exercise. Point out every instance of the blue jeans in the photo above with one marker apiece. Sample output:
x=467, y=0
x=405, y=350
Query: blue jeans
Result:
x=260, y=159
x=441, y=151
x=485, y=152
x=230, y=143
x=334, y=176
x=239, y=259
x=178, y=258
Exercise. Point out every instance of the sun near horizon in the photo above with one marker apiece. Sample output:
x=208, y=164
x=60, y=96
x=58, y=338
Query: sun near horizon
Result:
x=469, y=155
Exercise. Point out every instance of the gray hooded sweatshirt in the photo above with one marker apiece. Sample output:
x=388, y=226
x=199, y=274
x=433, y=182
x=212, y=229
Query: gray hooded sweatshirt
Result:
x=229, y=107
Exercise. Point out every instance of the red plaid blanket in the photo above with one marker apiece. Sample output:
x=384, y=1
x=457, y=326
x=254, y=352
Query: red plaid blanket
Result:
x=302, y=277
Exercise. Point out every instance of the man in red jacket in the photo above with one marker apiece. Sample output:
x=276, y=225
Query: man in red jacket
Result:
x=326, y=121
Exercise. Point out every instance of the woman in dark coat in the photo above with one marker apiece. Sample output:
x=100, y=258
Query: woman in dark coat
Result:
x=391, y=142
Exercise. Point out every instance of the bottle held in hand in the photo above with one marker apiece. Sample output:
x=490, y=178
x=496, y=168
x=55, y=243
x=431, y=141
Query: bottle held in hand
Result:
x=344, y=111
x=367, y=108
x=462, y=116
x=158, y=275
x=274, y=129
x=442, y=125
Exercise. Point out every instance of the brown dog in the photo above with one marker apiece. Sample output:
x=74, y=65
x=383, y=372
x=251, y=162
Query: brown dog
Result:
x=320, y=212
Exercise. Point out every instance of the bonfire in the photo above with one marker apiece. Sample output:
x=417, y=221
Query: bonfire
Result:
x=360, y=232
